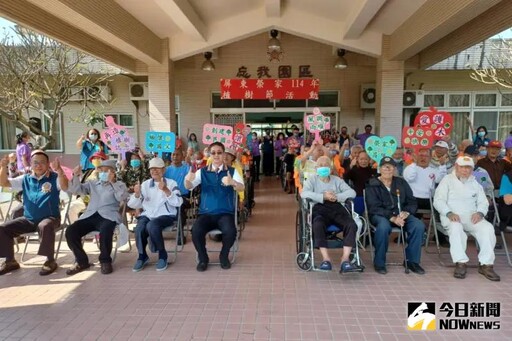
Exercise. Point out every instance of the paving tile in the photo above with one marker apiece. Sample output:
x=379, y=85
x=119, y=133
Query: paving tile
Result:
x=263, y=297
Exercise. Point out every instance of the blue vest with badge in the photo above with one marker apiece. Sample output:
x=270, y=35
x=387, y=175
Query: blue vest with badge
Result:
x=41, y=197
x=215, y=197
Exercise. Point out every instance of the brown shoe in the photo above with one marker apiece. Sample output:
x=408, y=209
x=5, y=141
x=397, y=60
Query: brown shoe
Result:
x=9, y=266
x=48, y=267
x=488, y=272
x=460, y=270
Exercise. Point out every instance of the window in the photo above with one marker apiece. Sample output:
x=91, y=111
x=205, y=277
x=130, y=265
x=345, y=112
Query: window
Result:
x=125, y=120
x=217, y=102
x=506, y=100
x=458, y=100
x=436, y=100
x=460, y=129
x=7, y=134
x=325, y=99
x=505, y=125
x=485, y=100
x=488, y=119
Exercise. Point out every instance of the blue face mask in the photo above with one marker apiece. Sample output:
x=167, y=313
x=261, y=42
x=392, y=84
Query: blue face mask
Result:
x=135, y=163
x=323, y=171
x=481, y=133
x=103, y=176
x=333, y=152
x=483, y=153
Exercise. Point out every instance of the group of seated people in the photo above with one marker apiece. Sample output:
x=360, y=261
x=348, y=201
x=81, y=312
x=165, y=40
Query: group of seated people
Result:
x=395, y=190
x=456, y=180
x=158, y=198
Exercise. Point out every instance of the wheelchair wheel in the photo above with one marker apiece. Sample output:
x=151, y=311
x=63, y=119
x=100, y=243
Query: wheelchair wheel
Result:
x=304, y=261
x=298, y=232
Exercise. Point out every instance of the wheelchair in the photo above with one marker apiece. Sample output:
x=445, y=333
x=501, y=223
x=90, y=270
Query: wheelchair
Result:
x=304, y=232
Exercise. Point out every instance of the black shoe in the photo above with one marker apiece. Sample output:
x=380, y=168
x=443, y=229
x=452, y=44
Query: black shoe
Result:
x=498, y=246
x=48, y=267
x=416, y=268
x=9, y=266
x=106, y=268
x=76, y=268
x=225, y=264
x=381, y=269
x=202, y=266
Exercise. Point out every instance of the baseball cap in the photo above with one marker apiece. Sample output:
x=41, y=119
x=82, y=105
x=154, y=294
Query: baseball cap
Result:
x=387, y=161
x=465, y=161
x=108, y=163
x=230, y=151
x=101, y=155
x=494, y=144
x=156, y=163
x=471, y=150
x=442, y=144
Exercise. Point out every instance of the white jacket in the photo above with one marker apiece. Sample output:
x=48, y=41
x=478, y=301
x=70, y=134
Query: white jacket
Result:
x=422, y=180
x=154, y=201
x=463, y=199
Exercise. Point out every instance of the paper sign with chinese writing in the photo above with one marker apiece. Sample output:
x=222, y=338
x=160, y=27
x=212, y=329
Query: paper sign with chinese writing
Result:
x=160, y=142
x=117, y=137
x=440, y=122
x=239, y=136
x=300, y=88
x=378, y=148
x=417, y=137
x=317, y=123
x=218, y=133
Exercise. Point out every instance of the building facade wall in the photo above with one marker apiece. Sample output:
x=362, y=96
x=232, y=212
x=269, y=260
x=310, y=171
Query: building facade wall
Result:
x=194, y=86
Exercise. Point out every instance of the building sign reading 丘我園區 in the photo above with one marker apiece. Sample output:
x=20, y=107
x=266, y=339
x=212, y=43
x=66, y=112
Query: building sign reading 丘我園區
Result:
x=283, y=71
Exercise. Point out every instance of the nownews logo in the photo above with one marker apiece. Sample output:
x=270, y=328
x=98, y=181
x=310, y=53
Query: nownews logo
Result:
x=458, y=316
x=422, y=316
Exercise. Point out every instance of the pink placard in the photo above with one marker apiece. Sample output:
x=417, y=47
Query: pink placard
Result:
x=317, y=123
x=117, y=137
x=218, y=133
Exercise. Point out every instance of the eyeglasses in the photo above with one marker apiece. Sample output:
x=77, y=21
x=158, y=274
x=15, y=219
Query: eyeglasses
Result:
x=38, y=163
x=216, y=153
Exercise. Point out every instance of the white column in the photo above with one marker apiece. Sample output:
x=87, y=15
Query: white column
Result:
x=390, y=87
x=161, y=93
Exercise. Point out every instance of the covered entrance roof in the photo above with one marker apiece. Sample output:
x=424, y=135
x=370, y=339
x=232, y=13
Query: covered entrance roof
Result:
x=132, y=33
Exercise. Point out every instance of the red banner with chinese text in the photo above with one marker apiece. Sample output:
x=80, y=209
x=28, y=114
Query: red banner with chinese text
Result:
x=298, y=88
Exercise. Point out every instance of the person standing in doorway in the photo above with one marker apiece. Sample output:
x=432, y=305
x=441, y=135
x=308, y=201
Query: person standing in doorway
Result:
x=254, y=147
x=268, y=153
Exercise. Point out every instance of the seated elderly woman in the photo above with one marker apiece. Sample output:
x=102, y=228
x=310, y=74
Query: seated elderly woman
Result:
x=390, y=202
x=327, y=192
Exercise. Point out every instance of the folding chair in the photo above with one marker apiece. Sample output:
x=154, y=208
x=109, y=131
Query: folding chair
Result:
x=34, y=236
x=6, y=197
x=496, y=222
x=117, y=231
x=235, y=248
x=398, y=230
x=177, y=228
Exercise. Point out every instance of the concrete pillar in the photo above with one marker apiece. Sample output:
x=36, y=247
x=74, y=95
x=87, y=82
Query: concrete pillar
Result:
x=390, y=87
x=161, y=93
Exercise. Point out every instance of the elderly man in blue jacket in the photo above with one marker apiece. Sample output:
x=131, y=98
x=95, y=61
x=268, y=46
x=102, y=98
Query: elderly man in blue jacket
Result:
x=391, y=203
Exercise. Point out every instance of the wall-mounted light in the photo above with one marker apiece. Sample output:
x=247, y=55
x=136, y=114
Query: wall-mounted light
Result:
x=341, y=62
x=274, y=43
x=208, y=64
